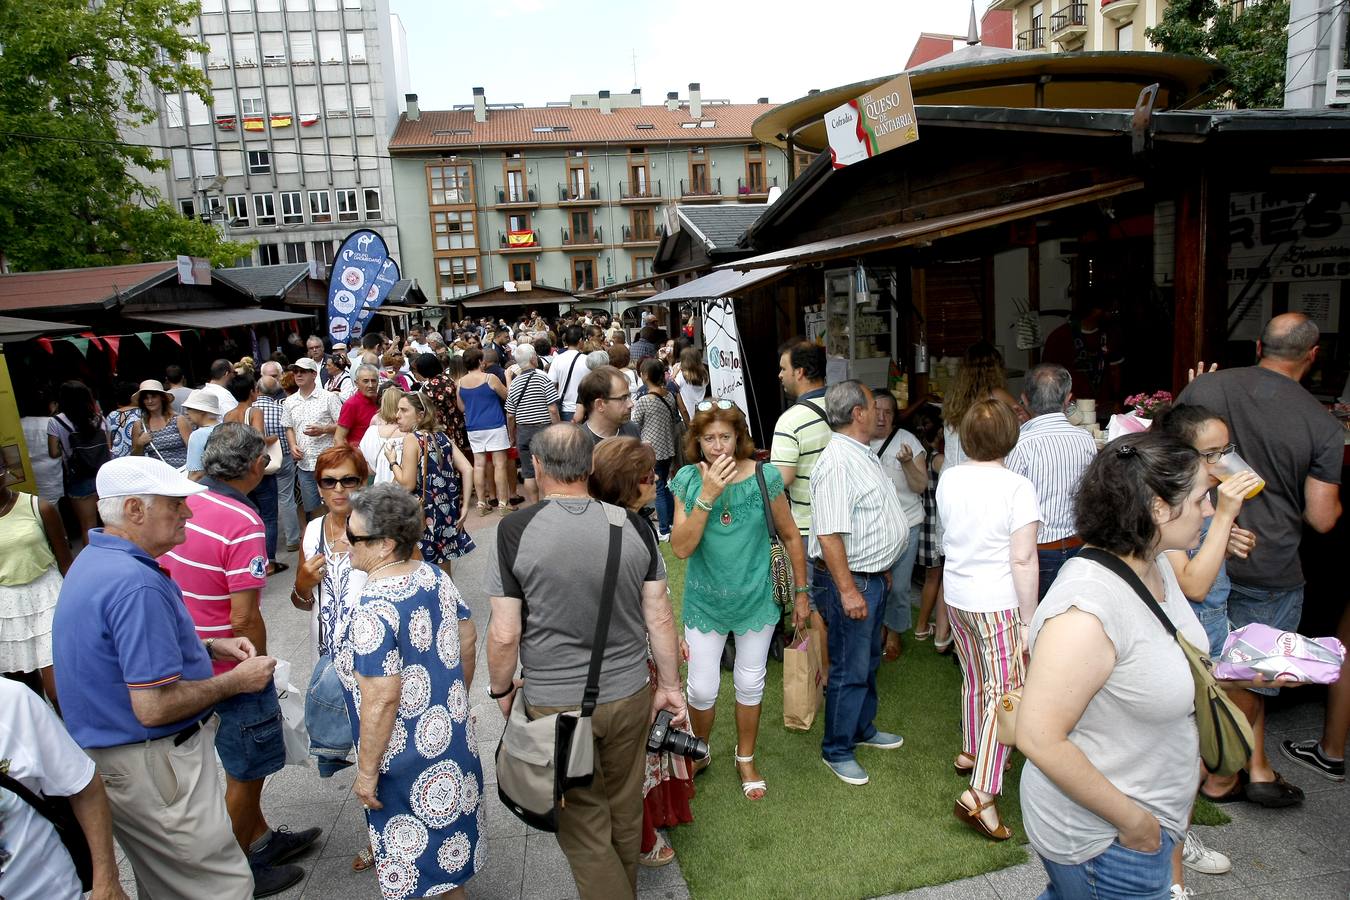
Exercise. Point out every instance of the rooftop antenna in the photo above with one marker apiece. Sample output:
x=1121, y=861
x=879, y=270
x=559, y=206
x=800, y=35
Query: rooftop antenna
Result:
x=635, y=78
x=973, y=32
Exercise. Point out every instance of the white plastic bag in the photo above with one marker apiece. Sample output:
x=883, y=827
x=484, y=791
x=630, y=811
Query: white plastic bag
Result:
x=292, y=701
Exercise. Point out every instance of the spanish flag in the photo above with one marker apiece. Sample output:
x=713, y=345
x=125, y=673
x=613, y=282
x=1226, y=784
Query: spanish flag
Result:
x=281, y=121
x=308, y=119
x=225, y=123
x=520, y=239
x=253, y=123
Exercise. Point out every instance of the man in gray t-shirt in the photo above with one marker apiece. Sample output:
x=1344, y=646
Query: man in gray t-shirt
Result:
x=546, y=587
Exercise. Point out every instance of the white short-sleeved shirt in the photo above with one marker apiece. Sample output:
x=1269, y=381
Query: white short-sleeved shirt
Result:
x=223, y=397
x=981, y=506
x=910, y=502
x=44, y=758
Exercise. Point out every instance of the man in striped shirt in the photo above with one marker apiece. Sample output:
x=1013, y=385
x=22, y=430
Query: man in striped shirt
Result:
x=1052, y=454
x=801, y=432
x=858, y=530
x=220, y=568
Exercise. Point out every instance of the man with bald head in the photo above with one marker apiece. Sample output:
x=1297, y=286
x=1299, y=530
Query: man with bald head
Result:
x=1291, y=442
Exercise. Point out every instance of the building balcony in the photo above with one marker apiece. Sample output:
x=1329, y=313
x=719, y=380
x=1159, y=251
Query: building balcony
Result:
x=581, y=286
x=515, y=196
x=636, y=238
x=518, y=242
x=578, y=240
x=757, y=189
x=1069, y=24
x=1033, y=38
x=1120, y=10
x=568, y=195
x=700, y=189
x=639, y=192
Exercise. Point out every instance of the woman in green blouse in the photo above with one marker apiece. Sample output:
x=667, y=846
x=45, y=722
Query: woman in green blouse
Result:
x=720, y=528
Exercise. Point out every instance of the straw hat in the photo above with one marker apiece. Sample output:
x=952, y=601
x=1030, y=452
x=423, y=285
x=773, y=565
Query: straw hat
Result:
x=155, y=387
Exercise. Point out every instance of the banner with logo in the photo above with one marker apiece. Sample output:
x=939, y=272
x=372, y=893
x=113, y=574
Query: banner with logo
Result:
x=880, y=120
x=361, y=278
x=725, y=356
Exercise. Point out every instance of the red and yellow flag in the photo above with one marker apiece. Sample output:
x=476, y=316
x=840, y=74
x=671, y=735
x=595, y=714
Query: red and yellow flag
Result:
x=520, y=239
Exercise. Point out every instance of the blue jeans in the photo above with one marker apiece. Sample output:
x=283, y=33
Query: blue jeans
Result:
x=1278, y=608
x=1051, y=562
x=309, y=489
x=665, y=501
x=567, y=416
x=290, y=519
x=1116, y=874
x=264, y=496
x=855, y=653
x=330, y=730
x=897, y=615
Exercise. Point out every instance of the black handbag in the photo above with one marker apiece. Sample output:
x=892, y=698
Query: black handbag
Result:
x=59, y=812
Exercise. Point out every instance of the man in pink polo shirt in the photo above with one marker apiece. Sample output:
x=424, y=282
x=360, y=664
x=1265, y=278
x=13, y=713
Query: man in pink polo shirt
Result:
x=221, y=570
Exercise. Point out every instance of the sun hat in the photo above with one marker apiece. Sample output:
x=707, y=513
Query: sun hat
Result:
x=305, y=363
x=152, y=386
x=127, y=476
x=339, y=346
x=203, y=401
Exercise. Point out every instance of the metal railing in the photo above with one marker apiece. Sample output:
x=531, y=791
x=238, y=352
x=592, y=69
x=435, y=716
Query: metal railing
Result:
x=568, y=192
x=1072, y=16
x=758, y=186
x=632, y=190
x=1033, y=38
x=515, y=194
x=582, y=238
x=631, y=235
x=701, y=187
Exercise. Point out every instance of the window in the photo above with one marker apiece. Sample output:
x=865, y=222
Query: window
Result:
x=241, y=5
x=576, y=178
x=581, y=226
x=236, y=210
x=173, y=110
x=273, y=44
x=522, y=271
x=754, y=176
x=642, y=266
x=245, y=49
x=182, y=168
x=320, y=208
x=297, y=5
x=335, y=100
x=515, y=186
x=698, y=178
x=313, y=154
x=213, y=205
x=222, y=104
x=295, y=253
x=292, y=210
x=642, y=225
x=330, y=46
x=583, y=274
x=259, y=162
x=1125, y=37
x=213, y=6
x=356, y=47
x=204, y=162
x=518, y=222
x=325, y=5
x=450, y=183
x=269, y=255
x=269, y=5
x=279, y=100
x=264, y=209
x=453, y=231
x=323, y=252
x=361, y=100
x=346, y=205
x=637, y=184
x=374, y=208
x=456, y=275
x=351, y=4
x=302, y=48
x=217, y=51
x=251, y=106
x=188, y=209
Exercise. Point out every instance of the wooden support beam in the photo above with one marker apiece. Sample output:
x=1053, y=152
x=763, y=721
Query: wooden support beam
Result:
x=1201, y=294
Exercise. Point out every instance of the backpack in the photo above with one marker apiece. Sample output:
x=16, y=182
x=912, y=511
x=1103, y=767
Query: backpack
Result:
x=88, y=450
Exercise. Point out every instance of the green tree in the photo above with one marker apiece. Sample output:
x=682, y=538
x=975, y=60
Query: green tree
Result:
x=1250, y=44
x=72, y=74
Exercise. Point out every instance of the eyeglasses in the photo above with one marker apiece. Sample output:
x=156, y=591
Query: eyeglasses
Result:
x=347, y=481
x=1213, y=456
x=355, y=539
x=623, y=396
x=706, y=405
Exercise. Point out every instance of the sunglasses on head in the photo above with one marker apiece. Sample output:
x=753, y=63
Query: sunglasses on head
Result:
x=706, y=405
x=347, y=481
x=355, y=539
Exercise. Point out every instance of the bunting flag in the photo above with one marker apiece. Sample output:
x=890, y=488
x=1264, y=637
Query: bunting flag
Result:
x=226, y=123
x=81, y=344
x=520, y=239
x=143, y=337
x=114, y=342
x=175, y=336
x=45, y=344
x=253, y=123
x=308, y=119
x=93, y=339
x=281, y=121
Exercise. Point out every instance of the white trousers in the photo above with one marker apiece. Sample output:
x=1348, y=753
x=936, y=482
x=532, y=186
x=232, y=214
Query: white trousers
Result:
x=705, y=666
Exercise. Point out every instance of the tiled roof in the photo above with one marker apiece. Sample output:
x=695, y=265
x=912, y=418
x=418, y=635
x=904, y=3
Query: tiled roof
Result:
x=263, y=282
x=720, y=227
x=517, y=127
x=99, y=286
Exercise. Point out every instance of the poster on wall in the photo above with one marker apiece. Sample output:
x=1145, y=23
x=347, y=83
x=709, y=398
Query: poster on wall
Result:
x=1319, y=301
x=1249, y=310
x=881, y=119
x=363, y=273
x=18, y=471
x=726, y=359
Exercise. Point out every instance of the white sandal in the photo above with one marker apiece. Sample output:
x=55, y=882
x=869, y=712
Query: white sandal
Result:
x=748, y=786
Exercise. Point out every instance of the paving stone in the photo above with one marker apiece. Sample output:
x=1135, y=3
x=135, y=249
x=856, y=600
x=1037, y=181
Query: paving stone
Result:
x=547, y=875
x=1017, y=882
x=505, y=871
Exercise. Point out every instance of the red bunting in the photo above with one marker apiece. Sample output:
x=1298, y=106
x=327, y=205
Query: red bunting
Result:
x=45, y=344
x=93, y=339
x=175, y=336
x=114, y=342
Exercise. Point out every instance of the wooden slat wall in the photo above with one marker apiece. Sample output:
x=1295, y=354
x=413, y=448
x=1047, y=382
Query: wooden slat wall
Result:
x=954, y=294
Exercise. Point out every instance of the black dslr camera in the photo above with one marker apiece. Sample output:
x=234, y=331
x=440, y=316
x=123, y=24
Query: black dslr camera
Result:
x=663, y=737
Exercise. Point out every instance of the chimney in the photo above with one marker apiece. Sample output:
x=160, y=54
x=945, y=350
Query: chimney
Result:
x=606, y=107
x=762, y=100
x=672, y=101
x=479, y=105
x=695, y=101
x=414, y=111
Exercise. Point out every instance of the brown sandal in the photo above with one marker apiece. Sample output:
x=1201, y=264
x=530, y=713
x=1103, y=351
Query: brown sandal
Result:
x=971, y=816
x=964, y=770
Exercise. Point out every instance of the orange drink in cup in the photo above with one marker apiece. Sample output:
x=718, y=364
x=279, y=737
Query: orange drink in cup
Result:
x=1229, y=465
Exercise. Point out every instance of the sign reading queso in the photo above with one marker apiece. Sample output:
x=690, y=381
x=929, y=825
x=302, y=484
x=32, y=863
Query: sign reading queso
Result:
x=880, y=120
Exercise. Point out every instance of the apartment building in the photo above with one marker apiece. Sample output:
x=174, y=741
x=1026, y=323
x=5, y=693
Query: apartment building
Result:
x=291, y=148
x=1063, y=25
x=567, y=195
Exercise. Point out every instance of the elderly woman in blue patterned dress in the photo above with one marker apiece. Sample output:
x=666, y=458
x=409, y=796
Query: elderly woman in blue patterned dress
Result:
x=406, y=664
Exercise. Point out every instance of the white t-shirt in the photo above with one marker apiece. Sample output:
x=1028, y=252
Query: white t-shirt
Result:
x=372, y=448
x=557, y=372
x=45, y=760
x=223, y=397
x=46, y=471
x=981, y=506
x=690, y=394
x=634, y=383
x=910, y=502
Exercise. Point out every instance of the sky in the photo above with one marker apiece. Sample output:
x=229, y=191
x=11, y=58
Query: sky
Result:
x=534, y=51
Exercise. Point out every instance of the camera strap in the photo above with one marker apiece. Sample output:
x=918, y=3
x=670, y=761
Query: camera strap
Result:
x=617, y=517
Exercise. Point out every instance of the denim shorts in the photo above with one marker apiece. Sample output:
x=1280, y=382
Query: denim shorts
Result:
x=1281, y=609
x=1117, y=873
x=250, y=742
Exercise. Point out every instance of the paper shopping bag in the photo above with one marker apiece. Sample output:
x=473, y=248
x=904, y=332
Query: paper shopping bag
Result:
x=803, y=682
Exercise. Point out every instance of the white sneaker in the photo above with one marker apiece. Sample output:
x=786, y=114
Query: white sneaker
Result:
x=1199, y=858
x=1180, y=893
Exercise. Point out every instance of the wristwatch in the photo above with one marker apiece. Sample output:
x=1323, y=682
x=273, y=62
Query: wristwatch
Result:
x=208, y=642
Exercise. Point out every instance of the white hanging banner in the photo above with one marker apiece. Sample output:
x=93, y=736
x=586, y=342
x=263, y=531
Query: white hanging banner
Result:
x=726, y=359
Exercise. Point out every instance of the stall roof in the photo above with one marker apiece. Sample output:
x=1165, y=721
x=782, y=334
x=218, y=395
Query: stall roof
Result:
x=263, y=282
x=892, y=236
x=720, y=283
x=499, y=296
x=394, y=310
x=719, y=227
x=94, y=288
x=14, y=329
x=218, y=318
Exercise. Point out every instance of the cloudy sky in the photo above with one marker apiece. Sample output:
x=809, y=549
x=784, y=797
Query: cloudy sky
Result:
x=533, y=51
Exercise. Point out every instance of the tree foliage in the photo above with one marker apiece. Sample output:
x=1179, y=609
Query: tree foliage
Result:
x=72, y=74
x=1251, y=45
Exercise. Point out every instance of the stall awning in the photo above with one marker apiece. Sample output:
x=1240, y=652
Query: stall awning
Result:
x=893, y=236
x=396, y=311
x=721, y=283
x=217, y=318
x=14, y=329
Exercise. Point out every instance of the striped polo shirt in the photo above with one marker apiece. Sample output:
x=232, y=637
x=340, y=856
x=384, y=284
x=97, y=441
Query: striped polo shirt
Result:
x=529, y=397
x=799, y=436
x=225, y=552
x=1052, y=454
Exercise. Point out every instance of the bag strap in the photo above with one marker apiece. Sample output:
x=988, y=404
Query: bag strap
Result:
x=818, y=411
x=764, y=495
x=568, y=381
x=616, y=517
x=886, y=443
x=16, y=787
x=1118, y=567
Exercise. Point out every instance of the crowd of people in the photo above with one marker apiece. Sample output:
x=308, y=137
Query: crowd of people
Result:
x=149, y=642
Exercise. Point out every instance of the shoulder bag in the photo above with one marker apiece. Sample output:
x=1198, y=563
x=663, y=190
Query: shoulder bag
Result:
x=61, y=815
x=780, y=567
x=539, y=760
x=676, y=436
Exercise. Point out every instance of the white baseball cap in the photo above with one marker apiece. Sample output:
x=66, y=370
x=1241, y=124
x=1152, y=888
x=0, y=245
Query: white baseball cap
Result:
x=305, y=363
x=130, y=475
x=203, y=400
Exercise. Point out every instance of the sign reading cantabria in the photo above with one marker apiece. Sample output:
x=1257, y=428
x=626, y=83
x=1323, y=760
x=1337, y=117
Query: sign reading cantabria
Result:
x=880, y=120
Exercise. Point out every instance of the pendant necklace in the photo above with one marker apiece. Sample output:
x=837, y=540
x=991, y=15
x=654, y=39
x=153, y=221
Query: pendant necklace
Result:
x=726, y=512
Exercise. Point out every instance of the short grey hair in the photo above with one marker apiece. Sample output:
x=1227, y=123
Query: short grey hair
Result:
x=524, y=355
x=272, y=368
x=563, y=452
x=1280, y=340
x=392, y=512
x=1047, y=388
x=367, y=367
x=231, y=451
x=113, y=510
x=840, y=401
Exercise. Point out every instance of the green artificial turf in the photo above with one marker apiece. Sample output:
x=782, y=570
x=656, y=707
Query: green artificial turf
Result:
x=814, y=836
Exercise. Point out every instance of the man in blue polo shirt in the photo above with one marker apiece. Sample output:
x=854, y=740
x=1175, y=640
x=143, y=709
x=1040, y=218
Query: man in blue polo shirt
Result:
x=136, y=688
